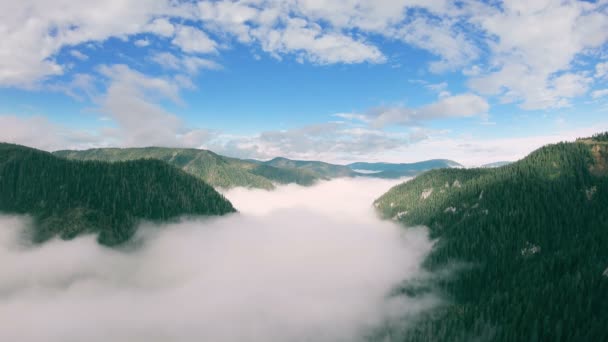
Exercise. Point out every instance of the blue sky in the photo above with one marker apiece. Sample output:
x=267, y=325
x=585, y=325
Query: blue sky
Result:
x=394, y=80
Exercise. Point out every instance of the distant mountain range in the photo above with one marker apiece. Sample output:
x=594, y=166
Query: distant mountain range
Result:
x=226, y=172
x=107, y=191
x=524, y=246
x=219, y=171
x=389, y=170
x=67, y=198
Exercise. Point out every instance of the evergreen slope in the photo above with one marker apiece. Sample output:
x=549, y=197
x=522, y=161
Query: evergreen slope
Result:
x=532, y=237
x=218, y=171
x=318, y=169
x=67, y=198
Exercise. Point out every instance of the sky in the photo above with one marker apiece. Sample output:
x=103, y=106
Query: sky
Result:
x=339, y=81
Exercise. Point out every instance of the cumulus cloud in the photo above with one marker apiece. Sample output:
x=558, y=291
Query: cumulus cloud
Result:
x=35, y=31
x=519, y=51
x=447, y=106
x=39, y=132
x=191, y=39
x=309, y=42
x=442, y=38
x=531, y=43
x=141, y=42
x=328, y=141
x=132, y=102
x=596, y=94
x=601, y=70
x=79, y=55
x=288, y=270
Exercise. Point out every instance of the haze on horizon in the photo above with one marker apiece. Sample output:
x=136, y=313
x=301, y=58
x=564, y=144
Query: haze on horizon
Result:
x=360, y=80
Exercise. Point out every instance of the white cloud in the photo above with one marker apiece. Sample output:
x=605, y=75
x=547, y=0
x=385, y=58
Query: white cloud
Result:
x=229, y=16
x=79, y=55
x=309, y=42
x=81, y=87
x=131, y=100
x=286, y=268
x=531, y=43
x=130, y=104
x=161, y=27
x=189, y=64
x=193, y=40
x=353, y=117
x=35, y=31
x=141, y=42
x=475, y=150
x=330, y=141
x=599, y=93
x=39, y=132
x=379, y=16
x=601, y=70
x=442, y=39
x=520, y=49
x=449, y=106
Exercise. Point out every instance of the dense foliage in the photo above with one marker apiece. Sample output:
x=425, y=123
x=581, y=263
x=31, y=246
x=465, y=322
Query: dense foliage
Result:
x=218, y=171
x=285, y=175
x=603, y=137
x=67, y=197
x=524, y=244
x=319, y=169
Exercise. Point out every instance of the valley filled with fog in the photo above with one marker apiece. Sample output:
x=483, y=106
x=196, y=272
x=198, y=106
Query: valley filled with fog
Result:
x=298, y=264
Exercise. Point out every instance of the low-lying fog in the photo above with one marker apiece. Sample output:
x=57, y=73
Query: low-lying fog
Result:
x=296, y=264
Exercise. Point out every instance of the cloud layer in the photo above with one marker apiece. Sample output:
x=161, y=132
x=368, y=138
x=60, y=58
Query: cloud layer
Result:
x=519, y=51
x=537, y=55
x=295, y=265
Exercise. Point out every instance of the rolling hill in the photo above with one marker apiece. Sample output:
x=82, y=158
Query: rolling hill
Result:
x=316, y=168
x=523, y=246
x=496, y=164
x=219, y=171
x=225, y=172
x=67, y=198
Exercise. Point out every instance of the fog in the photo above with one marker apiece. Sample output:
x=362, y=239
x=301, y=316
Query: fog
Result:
x=295, y=264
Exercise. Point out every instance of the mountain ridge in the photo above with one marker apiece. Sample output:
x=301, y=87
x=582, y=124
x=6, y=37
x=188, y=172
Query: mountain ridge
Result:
x=534, y=235
x=68, y=198
x=227, y=172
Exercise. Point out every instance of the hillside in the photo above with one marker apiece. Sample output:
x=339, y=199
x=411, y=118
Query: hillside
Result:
x=316, y=168
x=496, y=164
x=68, y=198
x=394, y=171
x=525, y=245
x=217, y=170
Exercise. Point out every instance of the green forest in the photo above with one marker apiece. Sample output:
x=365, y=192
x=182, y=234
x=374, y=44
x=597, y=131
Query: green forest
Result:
x=226, y=172
x=218, y=171
x=67, y=198
x=521, y=252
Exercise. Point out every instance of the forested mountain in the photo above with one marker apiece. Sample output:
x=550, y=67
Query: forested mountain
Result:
x=496, y=164
x=225, y=172
x=391, y=170
x=217, y=170
x=69, y=197
x=317, y=168
x=522, y=252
